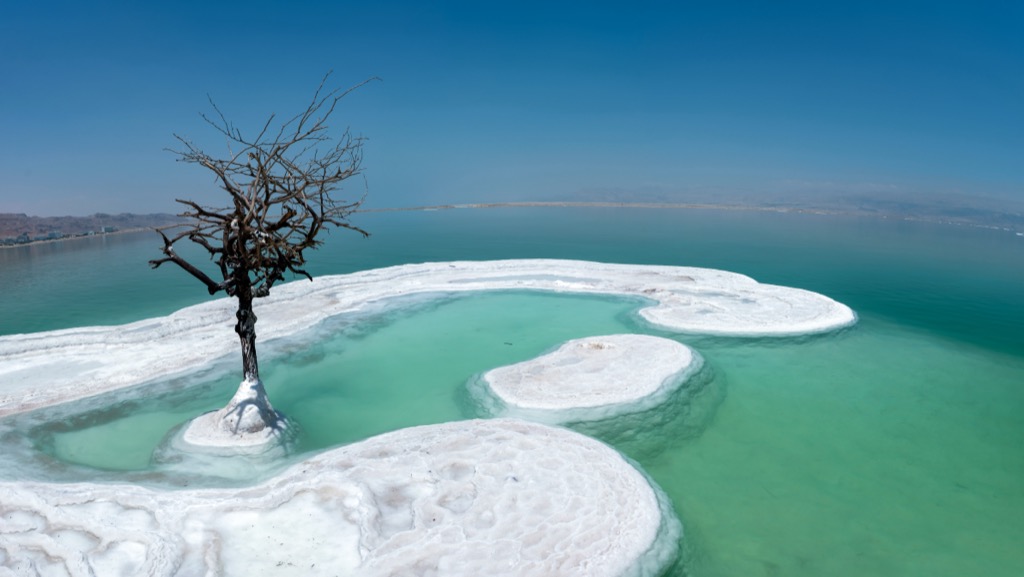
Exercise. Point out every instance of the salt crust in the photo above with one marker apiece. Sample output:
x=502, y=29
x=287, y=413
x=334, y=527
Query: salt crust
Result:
x=590, y=379
x=486, y=497
x=46, y=368
x=471, y=498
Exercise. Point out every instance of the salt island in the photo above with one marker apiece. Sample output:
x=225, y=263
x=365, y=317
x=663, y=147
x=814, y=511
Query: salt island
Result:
x=589, y=379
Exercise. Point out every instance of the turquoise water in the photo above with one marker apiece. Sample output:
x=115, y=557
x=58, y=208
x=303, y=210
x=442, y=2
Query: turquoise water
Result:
x=334, y=388
x=892, y=448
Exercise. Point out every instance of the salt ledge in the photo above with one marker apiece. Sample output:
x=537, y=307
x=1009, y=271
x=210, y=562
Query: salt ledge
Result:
x=486, y=497
x=46, y=368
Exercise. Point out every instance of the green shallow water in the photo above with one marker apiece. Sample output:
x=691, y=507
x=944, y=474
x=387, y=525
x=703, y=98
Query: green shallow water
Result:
x=889, y=449
x=411, y=368
x=880, y=451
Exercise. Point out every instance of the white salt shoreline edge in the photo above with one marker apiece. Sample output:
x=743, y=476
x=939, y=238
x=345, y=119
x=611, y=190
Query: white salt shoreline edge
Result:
x=483, y=497
x=47, y=368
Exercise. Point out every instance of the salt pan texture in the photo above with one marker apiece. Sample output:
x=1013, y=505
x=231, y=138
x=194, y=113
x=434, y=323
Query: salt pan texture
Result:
x=494, y=497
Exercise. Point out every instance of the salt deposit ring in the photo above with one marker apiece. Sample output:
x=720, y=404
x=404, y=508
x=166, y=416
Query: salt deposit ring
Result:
x=589, y=379
x=46, y=368
x=490, y=497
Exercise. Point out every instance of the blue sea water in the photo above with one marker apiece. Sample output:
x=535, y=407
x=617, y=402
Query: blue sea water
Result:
x=891, y=448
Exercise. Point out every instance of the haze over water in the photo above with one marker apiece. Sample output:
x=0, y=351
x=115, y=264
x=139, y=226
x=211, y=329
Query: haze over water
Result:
x=891, y=448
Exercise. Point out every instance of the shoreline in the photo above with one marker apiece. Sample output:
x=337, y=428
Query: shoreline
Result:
x=608, y=204
x=74, y=238
x=1013, y=230
x=1018, y=230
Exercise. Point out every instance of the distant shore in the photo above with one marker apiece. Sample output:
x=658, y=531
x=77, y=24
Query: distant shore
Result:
x=73, y=238
x=1017, y=228
x=602, y=204
x=1008, y=224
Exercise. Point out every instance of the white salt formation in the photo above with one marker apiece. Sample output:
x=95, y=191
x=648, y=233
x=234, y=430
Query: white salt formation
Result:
x=591, y=378
x=495, y=497
x=46, y=368
x=242, y=425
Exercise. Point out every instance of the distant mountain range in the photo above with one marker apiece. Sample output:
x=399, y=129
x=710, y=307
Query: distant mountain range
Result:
x=16, y=226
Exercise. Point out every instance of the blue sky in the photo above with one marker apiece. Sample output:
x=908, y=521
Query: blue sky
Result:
x=491, y=101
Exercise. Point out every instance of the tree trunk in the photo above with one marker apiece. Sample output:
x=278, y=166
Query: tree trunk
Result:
x=248, y=420
x=249, y=411
x=246, y=329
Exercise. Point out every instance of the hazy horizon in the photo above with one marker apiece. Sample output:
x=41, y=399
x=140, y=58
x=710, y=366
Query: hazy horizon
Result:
x=481, y=103
x=1004, y=213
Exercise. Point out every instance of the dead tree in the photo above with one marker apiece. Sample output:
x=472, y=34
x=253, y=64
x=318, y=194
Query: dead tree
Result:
x=282, y=190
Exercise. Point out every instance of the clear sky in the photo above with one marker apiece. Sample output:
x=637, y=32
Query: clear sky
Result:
x=487, y=101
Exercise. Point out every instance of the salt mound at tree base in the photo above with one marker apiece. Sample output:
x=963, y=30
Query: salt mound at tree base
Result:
x=492, y=497
x=248, y=423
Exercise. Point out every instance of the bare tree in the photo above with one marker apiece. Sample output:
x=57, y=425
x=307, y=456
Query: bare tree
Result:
x=282, y=187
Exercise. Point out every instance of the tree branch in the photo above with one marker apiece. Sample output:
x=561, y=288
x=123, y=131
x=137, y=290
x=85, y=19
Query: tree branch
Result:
x=280, y=185
x=172, y=256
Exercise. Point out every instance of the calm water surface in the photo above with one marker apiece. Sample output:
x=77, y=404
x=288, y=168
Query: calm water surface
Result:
x=892, y=448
